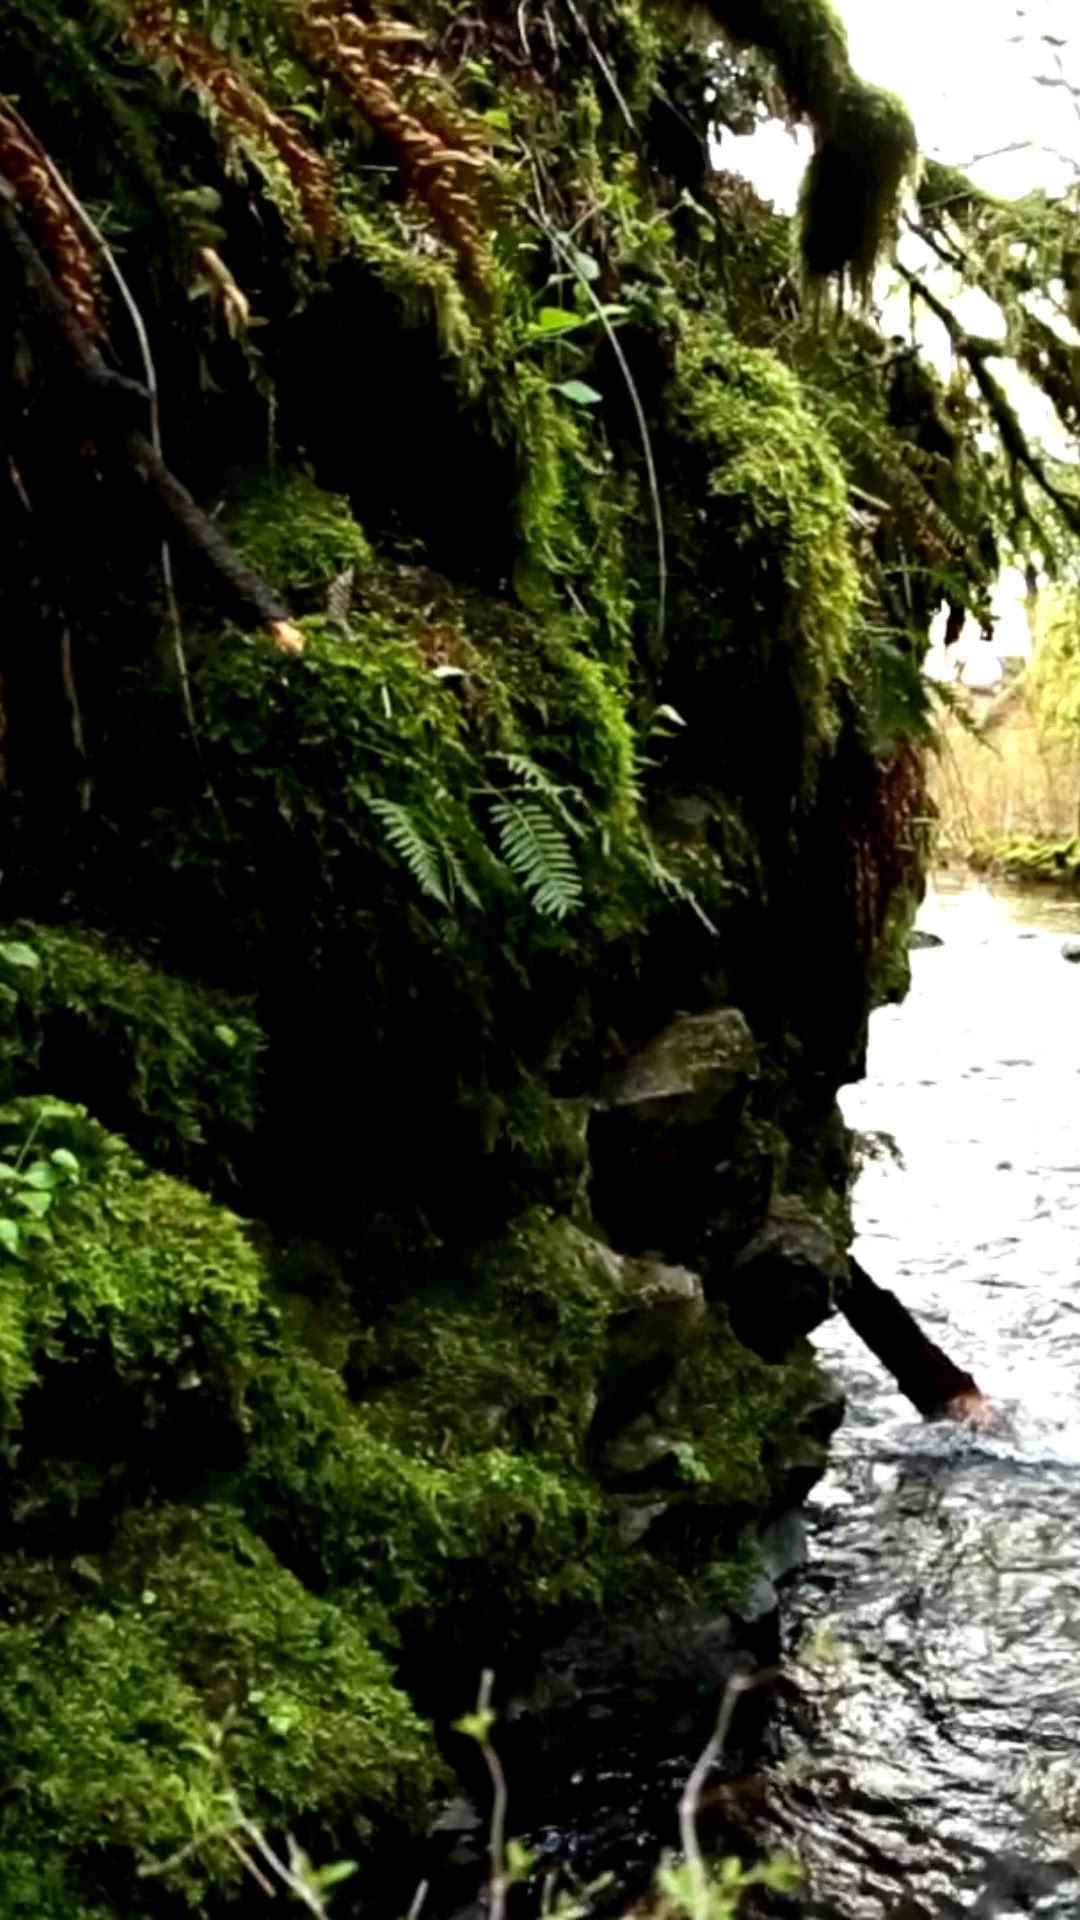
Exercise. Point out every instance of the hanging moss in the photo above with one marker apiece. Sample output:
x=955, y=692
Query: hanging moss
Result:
x=864, y=139
x=775, y=566
x=170, y=1064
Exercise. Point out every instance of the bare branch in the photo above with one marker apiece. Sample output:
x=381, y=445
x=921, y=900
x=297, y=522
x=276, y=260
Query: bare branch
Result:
x=1012, y=435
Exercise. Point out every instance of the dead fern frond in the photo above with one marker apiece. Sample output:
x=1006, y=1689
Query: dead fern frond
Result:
x=356, y=54
x=49, y=221
x=158, y=32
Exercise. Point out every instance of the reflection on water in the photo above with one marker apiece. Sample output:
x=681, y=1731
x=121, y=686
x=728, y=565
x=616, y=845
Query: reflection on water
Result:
x=941, y=1774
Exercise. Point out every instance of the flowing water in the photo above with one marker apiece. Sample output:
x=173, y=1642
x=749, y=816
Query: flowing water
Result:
x=939, y=1769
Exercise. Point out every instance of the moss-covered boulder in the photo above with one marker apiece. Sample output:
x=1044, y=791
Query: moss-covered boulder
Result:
x=162, y=1693
x=172, y=1065
x=131, y=1307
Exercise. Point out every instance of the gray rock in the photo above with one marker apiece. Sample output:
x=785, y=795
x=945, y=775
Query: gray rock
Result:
x=662, y=1307
x=760, y=1602
x=663, y=1120
x=782, y=1545
x=683, y=1074
x=637, y=1450
x=919, y=939
x=1071, y=951
x=782, y=1284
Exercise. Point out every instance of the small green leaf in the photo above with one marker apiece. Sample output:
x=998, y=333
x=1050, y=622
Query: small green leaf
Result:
x=556, y=320
x=476, y=1726
x=323, y=1878
x=63, y=1158
x=35, y=1202
x=9, y=1235
x=227, y=1035
x=41, y=1177
x=580, y=392
x=15, y=953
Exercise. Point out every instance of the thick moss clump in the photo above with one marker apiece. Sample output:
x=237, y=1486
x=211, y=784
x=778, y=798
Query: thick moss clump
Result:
x=161, y=1692
x=130, y=1305
x=508, y=1348
x=172, y=1065
x=865, y=142
x=294, y=532
x=457, y=1550
x=770, y=593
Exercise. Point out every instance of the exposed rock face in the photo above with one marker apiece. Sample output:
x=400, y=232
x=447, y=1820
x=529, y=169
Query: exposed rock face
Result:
x=663, y=1305
x=783, y=1283
x=665, y=1119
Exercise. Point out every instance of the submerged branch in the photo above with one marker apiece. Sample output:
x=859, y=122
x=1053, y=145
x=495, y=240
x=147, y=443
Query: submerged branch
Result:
x=935, y=1385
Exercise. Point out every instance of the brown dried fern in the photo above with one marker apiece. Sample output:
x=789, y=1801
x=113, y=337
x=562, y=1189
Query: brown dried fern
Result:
x=357, y=54
x=156, y=30
x=49, y=220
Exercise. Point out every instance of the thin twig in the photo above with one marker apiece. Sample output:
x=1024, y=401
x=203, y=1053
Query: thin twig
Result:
x=251, y=1866
x=738, y=1684
x=154, y=1869
x=416, y=1905
x=497, y=1836
x=566, y=255
x=297, y=1887
x=604, y=65
x=78, y=735
x=153, y=392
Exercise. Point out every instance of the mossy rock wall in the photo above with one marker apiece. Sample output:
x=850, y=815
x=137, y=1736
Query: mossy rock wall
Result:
x=607, y=718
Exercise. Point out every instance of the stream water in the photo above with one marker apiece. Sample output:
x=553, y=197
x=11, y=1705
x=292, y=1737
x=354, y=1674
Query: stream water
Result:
x=939, y=1773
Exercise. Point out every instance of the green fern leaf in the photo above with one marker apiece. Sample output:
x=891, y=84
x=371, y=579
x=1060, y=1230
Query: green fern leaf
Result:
x=535, y=847
x=527, y=774
x=416, y=853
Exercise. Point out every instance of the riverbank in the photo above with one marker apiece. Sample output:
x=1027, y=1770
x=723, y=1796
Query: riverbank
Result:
x=1024, y=859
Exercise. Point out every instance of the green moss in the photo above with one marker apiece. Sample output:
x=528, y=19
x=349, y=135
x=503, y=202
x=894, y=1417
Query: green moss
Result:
x=1020, y=856
x=132, y=1301
x=433, y=855
x=777, y=515
x=739, y=1414
x=865, y=142
x=190, y=1682
x=487, y=1544
x=890, y=966
x=508, y=1350
x=172, y=1065
x=292, y=531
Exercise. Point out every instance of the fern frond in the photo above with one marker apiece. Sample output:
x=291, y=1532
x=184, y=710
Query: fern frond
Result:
x=526, y=773
x=411, y=847
x=674, y=887
x=535, y=847
x=457, y=876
